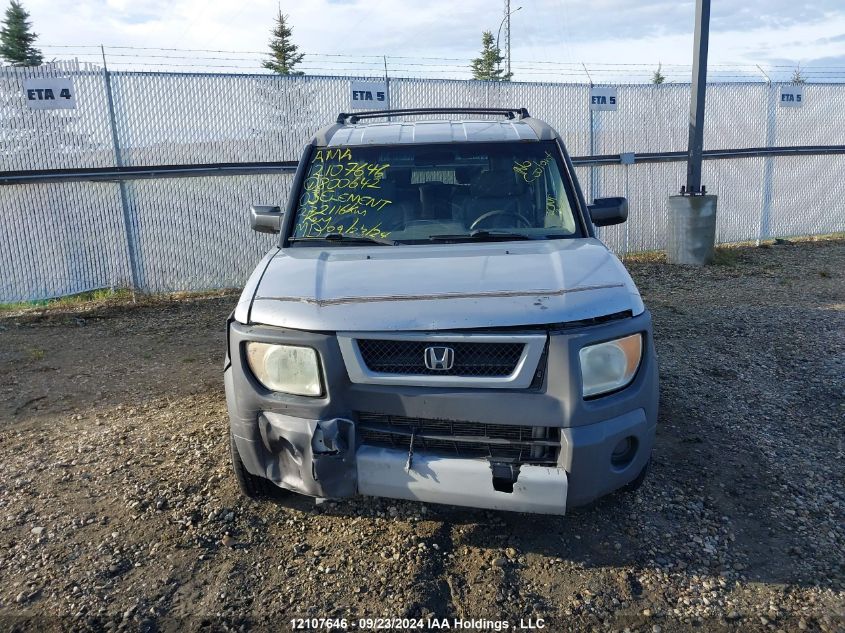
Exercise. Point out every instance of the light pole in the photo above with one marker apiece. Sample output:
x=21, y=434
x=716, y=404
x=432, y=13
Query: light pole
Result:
x=691, y=225
x=508, y=14
x=698, y=89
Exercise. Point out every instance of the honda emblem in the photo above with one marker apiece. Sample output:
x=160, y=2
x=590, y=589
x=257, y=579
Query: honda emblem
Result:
x=439, y=358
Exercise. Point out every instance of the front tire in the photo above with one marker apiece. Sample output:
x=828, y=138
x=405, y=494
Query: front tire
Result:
x=250, y=485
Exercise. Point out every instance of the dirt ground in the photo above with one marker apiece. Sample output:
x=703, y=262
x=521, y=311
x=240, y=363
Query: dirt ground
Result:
x=118, y=510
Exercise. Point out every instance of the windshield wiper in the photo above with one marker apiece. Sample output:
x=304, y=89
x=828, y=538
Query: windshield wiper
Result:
x=341, y=237
x=482, y=236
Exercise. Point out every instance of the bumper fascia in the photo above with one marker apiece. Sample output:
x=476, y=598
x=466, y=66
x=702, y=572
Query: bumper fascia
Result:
x=274, y=433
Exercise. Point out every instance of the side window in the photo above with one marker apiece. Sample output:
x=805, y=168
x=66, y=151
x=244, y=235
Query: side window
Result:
x=558, y=212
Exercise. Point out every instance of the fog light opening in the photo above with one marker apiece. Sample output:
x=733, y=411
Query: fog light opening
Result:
x=502, y=485
x=624, y=452
x=504, y=476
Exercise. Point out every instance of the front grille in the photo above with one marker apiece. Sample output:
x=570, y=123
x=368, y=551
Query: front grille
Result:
x=470, y=359
x=497, y=442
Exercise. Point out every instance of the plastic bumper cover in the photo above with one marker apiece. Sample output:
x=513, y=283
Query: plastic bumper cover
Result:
x=382, y=472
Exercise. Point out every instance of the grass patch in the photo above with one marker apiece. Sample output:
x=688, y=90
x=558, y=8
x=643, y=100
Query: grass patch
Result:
x=86, y=302
x=646, y=257
x=726, y=257
x=103, y=295
x=36, y=353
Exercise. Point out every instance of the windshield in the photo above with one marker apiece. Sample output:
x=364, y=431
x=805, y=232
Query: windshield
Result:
x=419, y=193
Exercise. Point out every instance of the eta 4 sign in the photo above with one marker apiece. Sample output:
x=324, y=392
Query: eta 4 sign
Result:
x=49, y=94
x=603, y=98
x=369, y=95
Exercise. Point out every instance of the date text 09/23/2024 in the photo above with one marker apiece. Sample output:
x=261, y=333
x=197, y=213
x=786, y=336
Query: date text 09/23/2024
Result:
x=419, y=624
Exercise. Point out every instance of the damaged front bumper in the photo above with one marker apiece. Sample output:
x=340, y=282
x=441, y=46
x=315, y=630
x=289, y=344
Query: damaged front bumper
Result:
x=319, y=458
x=319, y=446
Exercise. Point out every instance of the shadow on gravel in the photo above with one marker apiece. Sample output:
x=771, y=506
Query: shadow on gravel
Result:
x=715, y=503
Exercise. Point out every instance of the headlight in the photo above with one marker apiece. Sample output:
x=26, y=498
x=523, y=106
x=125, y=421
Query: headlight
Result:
x=611, y=365
x=285, y=368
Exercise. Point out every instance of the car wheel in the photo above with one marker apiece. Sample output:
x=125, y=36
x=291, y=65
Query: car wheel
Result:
x=250, y=485
x=636, y=483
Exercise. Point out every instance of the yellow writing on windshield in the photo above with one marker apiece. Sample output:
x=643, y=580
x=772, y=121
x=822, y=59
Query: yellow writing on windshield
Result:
x=352, y=168
x=346, y=198
x=531, y=170
x=328, y=225
x=332, y=154
x=338, y=193
x=322, y=184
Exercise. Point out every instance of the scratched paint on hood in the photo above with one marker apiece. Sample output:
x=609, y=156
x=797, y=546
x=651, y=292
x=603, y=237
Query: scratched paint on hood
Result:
x=442, y=286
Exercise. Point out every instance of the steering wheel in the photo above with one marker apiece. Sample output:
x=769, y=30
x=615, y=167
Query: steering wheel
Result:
x=500, y=212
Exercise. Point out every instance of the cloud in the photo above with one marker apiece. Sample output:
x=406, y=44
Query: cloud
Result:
x=605, y=31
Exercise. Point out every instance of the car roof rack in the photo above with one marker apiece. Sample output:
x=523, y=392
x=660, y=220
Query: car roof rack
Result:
x=354, y=117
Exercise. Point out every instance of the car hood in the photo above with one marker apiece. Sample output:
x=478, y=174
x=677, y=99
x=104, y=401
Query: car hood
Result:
x=439, y=286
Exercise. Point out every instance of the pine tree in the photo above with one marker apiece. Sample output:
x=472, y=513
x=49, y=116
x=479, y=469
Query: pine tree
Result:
x=797, y=77
x=487, y=66
x=658, y=77
x=16, y=39
x=284, y=56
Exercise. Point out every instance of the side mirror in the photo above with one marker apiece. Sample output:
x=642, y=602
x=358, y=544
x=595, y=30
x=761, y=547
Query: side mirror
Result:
x=607, y=211
x=265, y=219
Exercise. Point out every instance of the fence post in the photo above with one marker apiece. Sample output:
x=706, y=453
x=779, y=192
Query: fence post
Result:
x=387, y=87
x=768, y=163
x=595, y=126
x=131, y=238
x=594, y=185
x=593, y=170
x=627, y=169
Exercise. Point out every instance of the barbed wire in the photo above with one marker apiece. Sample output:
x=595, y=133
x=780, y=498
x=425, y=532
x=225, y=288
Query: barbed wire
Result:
x=461, y=59
x=141, y=58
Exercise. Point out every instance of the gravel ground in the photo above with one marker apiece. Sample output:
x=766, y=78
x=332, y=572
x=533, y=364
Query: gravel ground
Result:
x=118, y=510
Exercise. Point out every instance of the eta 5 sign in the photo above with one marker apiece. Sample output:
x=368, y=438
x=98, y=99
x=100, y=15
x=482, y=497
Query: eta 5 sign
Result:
x=603, y=98
x=369, y=95
x=49, y=94
x=791, y=96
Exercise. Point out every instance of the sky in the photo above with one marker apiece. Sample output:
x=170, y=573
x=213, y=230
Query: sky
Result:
x=550, y=38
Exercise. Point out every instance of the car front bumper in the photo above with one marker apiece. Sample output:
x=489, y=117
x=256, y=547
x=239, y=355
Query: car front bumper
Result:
x=310, y=445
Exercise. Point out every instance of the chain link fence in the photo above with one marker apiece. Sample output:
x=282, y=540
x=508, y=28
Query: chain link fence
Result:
x=192, y=234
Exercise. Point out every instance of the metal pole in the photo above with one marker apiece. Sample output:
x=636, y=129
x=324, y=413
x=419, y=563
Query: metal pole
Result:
x=593, y=169
x=594, y=184
x=387, y=85
x=627, y=169
x=768, y=162
x=498, y=34
x=697, y=93
x=134, y=275
x=507, y=19
x=698, y=89
x=691, y=227
x=508, y=33
x=587, y=72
